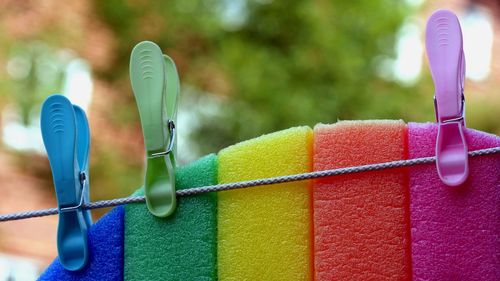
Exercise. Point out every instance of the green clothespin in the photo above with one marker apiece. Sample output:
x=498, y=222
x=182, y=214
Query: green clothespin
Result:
x=156, y=87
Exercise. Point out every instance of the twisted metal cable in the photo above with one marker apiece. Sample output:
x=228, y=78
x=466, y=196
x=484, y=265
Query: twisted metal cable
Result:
x=250, y=183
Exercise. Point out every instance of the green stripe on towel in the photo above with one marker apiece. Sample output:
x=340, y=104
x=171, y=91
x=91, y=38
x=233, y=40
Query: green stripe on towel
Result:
x=180, y=247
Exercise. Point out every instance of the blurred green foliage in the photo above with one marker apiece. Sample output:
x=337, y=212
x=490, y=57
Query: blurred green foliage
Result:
x=274, y=64
x=36, y=70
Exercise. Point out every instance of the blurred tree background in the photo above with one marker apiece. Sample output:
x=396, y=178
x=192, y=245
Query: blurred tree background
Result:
x=247, y=67
x=269, y=64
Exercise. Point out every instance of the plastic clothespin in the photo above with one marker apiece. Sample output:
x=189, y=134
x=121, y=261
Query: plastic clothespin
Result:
x=66, y=137
x=447, y=63
x=156, y=89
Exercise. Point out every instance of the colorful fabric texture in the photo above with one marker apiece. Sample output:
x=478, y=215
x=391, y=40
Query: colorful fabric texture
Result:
x=182, y=246
x=396, y=224
x=361, y=225
x=455, y=230
x=264, y=232
x=106, y=253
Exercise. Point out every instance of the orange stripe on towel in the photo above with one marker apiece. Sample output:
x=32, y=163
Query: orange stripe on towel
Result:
x=361, y=222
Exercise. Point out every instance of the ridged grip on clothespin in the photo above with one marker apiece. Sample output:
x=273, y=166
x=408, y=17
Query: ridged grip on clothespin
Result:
x=148, y=72
x=447, y=63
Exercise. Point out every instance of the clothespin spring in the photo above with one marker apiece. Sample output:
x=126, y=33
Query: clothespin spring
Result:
x=83, y=181
x=460, y=118
x=171, y=142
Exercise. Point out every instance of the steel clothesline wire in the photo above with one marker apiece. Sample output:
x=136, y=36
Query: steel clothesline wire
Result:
x=250, y=183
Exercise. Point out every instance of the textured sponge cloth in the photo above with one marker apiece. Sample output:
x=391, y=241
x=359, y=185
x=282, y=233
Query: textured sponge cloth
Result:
x=106, y=253
x=455, y=230
x=264, y=231
x=180, y=247
x=361, y=221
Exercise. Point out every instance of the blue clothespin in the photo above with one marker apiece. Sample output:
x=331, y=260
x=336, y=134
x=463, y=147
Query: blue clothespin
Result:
x=66, y=137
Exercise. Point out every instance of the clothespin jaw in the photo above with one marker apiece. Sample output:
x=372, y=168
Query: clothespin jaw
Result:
x=447, y=63
x=156, y=88
x=66, y=137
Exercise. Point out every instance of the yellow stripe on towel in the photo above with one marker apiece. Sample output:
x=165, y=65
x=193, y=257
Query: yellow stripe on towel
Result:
x=264, y=232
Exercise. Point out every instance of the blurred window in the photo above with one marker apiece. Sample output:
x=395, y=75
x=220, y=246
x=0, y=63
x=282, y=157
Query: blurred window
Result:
x=14, y=268
x=37, y=72
x=409, y=51
x=477, y=27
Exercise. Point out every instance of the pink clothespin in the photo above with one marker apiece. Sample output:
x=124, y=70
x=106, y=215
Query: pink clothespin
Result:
x=447, y=63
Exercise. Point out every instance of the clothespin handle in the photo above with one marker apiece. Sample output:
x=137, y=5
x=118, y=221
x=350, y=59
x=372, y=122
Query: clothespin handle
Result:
x=447, y=63
x=83, y=151
x=172, y=92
